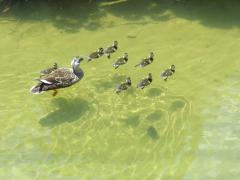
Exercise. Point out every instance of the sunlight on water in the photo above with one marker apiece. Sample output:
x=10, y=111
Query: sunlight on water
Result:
x=89, y=132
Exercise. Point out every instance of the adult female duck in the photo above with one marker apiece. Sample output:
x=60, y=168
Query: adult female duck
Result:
x=60, y=78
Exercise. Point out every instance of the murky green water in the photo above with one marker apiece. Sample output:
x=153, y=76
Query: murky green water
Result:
x=186, y=128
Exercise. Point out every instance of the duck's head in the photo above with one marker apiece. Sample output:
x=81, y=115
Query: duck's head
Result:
x=128, y=81
x=76, y=61
x=100, y=50
x=151, y=55
x=115, y=43
x=172, y=68
x=149, y=77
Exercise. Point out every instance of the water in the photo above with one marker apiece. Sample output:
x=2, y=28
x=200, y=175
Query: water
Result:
x=185, y=128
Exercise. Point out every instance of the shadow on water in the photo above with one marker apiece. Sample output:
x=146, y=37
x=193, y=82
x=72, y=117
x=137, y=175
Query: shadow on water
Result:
x=178, y=104
x=132, y=120
x=155, y=116
x=152, y=132
x=72, y=15
x=153, y=92
x=66, y=111
x=107, y=84
x=66, y=15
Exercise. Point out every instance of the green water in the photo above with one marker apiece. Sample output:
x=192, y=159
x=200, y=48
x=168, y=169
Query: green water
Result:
x=185, y=128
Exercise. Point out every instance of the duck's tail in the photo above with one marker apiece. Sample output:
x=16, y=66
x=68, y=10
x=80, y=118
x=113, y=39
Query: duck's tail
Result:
x=115, y=66
x=36, y=89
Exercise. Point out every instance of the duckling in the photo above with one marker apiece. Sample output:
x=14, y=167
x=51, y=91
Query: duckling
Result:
x=124, y=85
x=96, y=54
x=121, y=61
x=168, y=72
x=146, y=61
x=111, y=49
x=145, y=82
x=49, y=70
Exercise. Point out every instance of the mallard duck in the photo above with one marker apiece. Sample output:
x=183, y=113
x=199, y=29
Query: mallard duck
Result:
x=121, y=60
x=49, y=70
x=145, y=82
x=124, y=85
x=111, y=49
x=60, y=78
x=96, y=54
x=146, y=61
x=168, y=72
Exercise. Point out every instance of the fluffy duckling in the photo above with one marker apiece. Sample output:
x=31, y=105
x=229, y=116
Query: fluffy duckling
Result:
x=145, y=82
x=121, y=61
x=111, y=49
x=124, y=85
x=146, y=61
x=96, y=54
x=168, y=72
x=49, y=70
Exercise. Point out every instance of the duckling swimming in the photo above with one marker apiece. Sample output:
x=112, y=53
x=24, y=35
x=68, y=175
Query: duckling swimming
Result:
x=60, y=78
x=124, y=85
x=146, y=61
x=49, y=70
x=121, y=61
x=168, y=72
x=111, y=49
x=145, y=82
x=96, y=54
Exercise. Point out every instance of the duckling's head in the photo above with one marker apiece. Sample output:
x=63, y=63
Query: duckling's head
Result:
x=128, y=81
x=172, y=68
x=100, y=50
x=115, y=43
x=151, y=55
x=76, y=61
x=125, y=56
x=149, y=77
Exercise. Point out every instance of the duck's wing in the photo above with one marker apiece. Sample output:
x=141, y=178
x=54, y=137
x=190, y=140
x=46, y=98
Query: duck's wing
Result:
x=166, y=73
x=93, y=54
x=109, y=49
x=145, y=82
x=120, y=61
x=146, y=61
x=62, y=76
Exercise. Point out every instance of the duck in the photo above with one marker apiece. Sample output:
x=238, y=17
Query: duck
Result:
x=111, y=49
x=48, y=70
x=168, y=72
x=121, y=61
x=60, y=78
x=96, y=54
x=124, y=85
x=146, y=61
x=145, y=82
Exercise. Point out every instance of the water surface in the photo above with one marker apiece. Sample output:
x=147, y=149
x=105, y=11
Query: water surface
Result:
x=185, y=128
